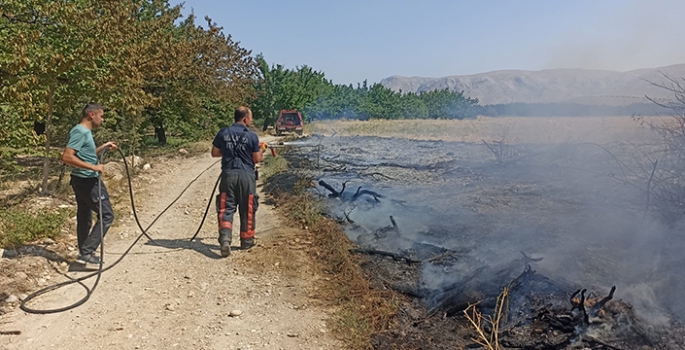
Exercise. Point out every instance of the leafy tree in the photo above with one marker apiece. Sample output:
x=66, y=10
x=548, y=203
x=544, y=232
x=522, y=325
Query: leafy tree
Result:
x=382, y=103
x=132, y=56
x=379, y=102
x=413, y=107
x=212, y=70
x=279, y=88
x=48, y=45
x=448, y=104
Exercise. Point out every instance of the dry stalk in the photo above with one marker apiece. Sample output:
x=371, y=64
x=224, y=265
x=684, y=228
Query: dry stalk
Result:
x=488, y=340
x=504, y=154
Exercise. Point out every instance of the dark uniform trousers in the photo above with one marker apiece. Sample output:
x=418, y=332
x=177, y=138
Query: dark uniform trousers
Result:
x=237, y=189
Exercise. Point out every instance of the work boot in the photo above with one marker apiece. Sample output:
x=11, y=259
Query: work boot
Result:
x=246, y=243
x=88, y=259
x=225, y=242
x=225, y=249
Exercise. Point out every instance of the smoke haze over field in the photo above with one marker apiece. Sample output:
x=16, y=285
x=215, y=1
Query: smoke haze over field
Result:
x=588, y=87
x=566, y=203
x=621, y=38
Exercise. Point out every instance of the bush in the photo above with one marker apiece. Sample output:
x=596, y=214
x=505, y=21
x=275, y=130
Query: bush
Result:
x=8, y=166
x=18, y=227
x=8, y=169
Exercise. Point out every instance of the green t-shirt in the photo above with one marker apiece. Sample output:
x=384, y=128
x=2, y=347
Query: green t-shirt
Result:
x=81, y=140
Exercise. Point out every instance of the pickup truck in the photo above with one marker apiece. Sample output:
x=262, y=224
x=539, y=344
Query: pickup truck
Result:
x=289, y=121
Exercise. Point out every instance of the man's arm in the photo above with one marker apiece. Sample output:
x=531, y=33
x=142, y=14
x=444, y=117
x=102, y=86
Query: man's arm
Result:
x=111, y=145
x=257, y=152
x=218, y=142
x=216, y=152
x=69, y=157
x=257, y=156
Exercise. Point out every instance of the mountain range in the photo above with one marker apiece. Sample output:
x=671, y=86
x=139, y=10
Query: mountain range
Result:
x=584, y=86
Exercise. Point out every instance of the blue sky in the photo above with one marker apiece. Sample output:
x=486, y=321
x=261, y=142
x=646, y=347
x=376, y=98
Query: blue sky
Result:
x=353, y=40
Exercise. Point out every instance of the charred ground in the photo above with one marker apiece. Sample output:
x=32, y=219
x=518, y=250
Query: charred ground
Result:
x=451, y=224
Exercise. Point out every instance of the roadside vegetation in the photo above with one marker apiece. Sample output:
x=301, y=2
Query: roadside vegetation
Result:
x=17, y=226
x=360, y=309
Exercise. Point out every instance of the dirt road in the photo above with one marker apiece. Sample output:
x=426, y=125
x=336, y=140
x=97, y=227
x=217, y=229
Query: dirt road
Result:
x=180, y=295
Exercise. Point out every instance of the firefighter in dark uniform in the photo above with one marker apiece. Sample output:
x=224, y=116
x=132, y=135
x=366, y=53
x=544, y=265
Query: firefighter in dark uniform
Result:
x=240, y=150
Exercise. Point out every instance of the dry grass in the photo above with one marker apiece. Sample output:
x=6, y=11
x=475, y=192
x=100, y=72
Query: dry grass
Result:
x=487, y=327
x=360, y=310
x=309, y=128
x=511, y=130
x=272, y=166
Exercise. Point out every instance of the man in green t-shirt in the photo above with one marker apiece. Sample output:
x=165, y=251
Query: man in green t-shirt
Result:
x=82, y=154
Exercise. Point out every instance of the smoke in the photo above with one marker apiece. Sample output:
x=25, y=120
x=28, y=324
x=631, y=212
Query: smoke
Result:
x=637, y=34
x=564, y=203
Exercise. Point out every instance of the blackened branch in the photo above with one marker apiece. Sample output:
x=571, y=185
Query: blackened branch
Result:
x=334, y=193
x=594, y=310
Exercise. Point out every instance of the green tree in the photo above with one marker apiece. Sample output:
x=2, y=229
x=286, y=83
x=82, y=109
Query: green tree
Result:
x=382, y=103
x=48, y=45
x=448, y=104
x=129, y=55
x=413, y=107
x=213, y=70
x=279, y=88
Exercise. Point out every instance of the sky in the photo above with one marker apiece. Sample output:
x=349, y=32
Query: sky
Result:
x=356, y=40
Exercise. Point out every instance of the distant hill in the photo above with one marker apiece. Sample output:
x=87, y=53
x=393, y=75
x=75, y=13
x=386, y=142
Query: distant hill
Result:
x=583, y=86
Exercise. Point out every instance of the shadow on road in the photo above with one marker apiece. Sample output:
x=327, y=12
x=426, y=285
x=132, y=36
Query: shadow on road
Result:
x=196, y=245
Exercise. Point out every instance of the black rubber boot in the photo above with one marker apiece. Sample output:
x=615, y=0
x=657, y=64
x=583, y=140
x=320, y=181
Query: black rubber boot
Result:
x=246, y=243
x=225, y=249
x=225, y=243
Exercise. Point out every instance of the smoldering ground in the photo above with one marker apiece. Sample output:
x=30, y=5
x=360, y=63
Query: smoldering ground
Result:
x=572, y=205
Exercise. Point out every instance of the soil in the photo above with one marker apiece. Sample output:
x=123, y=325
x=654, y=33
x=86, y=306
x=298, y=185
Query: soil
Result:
x=178, y=294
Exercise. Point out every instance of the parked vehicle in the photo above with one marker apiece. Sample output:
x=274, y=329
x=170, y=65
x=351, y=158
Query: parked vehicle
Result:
x=289, y=121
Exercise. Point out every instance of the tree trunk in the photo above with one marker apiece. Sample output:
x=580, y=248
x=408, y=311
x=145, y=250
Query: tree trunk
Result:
x=270, y=119
x=48, y=132
x=161, y=134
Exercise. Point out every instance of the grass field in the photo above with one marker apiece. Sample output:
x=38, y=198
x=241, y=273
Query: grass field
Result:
x=514, y=130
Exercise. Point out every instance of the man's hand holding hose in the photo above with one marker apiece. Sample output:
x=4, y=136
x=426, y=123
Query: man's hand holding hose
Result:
x=100, y=168
x=111, y=145
x=263, y=146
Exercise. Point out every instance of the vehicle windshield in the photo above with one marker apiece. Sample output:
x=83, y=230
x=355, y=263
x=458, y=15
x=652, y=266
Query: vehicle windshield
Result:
x=290, y=118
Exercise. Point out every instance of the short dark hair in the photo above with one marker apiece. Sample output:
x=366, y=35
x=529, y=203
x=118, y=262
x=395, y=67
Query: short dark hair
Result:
x=91, y=107
x=240, y=113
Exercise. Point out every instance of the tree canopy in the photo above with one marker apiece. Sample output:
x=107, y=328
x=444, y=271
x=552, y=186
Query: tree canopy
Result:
x=308, y=90
x=139, y=58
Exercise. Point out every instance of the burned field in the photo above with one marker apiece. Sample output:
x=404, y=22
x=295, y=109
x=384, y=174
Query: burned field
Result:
x=549, y=239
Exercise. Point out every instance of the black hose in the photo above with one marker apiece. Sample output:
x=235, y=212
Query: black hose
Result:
x=98, y=274
x=209, y=202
